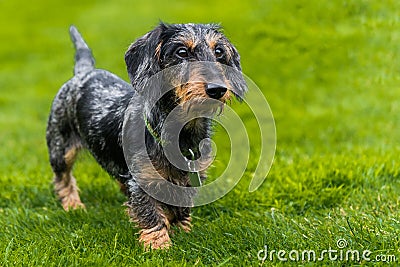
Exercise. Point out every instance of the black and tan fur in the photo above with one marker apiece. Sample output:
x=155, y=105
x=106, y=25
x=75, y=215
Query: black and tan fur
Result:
x=88, y=112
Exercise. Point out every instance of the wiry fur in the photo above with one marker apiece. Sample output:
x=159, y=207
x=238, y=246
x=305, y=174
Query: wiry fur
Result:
x=89, y=109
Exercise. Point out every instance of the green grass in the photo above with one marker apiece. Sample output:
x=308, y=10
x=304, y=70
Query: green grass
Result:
x=329, y=70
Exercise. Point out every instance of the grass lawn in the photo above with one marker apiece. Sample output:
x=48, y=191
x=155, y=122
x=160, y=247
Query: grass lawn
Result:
x=330, y=72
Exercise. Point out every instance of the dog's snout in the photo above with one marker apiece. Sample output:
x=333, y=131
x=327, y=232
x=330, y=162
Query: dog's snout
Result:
x=215, y=91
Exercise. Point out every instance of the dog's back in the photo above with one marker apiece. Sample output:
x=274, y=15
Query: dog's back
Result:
x=87, y=112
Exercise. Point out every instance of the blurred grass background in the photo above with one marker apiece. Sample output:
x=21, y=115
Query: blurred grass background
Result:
x=330, y=72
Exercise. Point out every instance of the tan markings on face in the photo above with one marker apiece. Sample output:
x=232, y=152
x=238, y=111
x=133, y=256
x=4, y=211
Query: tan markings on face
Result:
x=213, y=39
x=190, y=43
x=196, y=90
x=190, y=91
x=212, y=43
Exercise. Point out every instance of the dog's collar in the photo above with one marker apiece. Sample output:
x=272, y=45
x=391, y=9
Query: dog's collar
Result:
x=194, y=175
x=152, y=131
x=190, y=153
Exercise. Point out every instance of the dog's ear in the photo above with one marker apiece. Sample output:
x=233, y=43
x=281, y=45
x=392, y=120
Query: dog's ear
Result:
x=142, y=57
x=234, y=74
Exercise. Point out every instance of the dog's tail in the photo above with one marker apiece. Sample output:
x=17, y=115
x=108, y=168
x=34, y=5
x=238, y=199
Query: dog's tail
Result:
x=84, y=61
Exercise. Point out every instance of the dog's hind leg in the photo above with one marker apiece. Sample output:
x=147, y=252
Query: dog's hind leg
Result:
x=63, y=148
x=65, y=183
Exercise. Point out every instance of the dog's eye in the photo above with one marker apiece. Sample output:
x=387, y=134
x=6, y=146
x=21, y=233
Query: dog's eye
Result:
x=182, y=52
x=219, y=52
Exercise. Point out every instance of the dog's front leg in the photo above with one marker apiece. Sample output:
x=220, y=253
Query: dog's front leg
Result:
x=148, y=214
x=184, y=221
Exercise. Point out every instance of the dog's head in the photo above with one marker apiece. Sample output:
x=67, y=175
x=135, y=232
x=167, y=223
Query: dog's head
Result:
x=209, y=65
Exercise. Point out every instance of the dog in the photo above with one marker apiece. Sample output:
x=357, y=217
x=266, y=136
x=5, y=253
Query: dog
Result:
x=88, y=112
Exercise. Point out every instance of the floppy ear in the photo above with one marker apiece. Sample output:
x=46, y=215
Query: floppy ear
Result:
x=142, y=56
x=235, y=76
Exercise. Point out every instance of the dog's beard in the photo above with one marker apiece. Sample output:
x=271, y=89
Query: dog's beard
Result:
x=201, y=106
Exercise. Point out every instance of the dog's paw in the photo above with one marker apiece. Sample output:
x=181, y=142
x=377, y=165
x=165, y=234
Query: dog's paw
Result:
x=72, y=202
x=185, y=224
x=155, y=239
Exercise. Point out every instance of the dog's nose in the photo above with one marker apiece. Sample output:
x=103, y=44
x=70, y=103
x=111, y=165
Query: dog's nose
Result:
x=215, y=91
